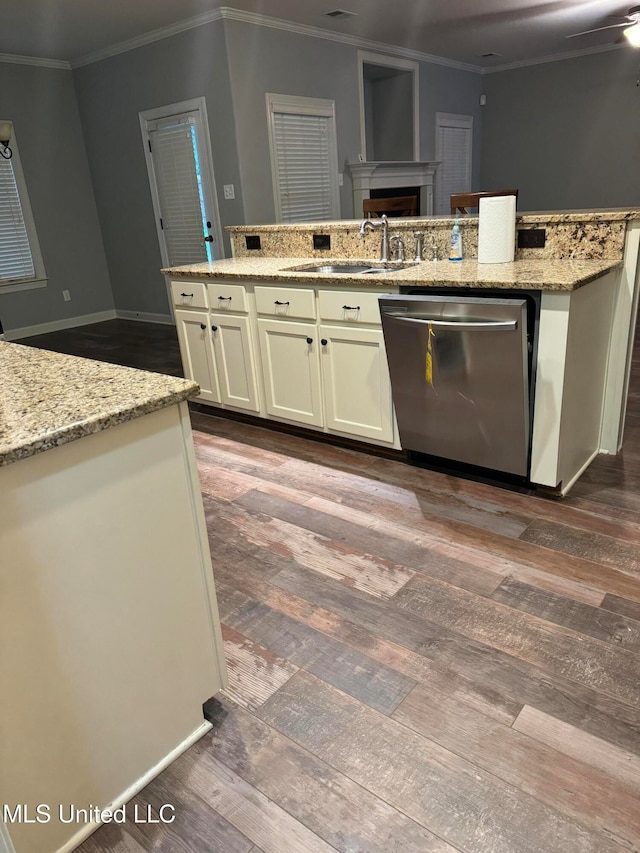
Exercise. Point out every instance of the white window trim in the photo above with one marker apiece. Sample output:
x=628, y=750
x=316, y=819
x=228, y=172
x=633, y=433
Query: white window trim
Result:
x=303, y=106
x=365, y=58
x=454, y=120
x=40, y=278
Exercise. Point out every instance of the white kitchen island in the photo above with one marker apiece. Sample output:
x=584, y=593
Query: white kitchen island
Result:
x=266, y=334
x=109, y=632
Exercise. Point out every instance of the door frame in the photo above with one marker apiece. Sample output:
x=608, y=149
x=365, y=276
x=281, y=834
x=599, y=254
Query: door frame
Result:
x=198, y=105
x=464, y=122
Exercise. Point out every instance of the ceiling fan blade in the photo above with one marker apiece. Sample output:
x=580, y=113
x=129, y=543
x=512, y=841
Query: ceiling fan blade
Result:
x=600, y=29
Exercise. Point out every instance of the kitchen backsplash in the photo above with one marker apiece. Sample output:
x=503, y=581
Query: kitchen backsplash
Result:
x=588, y=235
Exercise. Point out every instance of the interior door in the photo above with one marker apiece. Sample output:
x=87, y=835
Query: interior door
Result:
x=180, y=169
x=454, y=148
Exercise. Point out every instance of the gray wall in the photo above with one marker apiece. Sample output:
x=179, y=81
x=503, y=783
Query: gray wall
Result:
x=567, y=134
x=393, y=117
x=42, y=105
x=111, y=93
x=264, y=60
x=450, y=90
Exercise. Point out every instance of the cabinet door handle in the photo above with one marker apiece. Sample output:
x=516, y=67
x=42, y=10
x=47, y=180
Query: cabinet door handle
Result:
x=351, y=307
x=187, y=295
x=324, y=342
x=214, y=328
x=280, y=303
x=309, y=340
x=203, y=326
x=225, y=298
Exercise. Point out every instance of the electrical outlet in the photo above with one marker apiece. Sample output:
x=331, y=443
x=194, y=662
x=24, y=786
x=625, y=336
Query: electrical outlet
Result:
x=66, y=296
x=229, y=191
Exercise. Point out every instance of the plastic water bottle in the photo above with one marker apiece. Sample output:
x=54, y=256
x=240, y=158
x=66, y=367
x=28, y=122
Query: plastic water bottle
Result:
x=455, y=252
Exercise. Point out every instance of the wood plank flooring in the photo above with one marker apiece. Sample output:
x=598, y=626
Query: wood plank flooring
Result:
x=417, y=662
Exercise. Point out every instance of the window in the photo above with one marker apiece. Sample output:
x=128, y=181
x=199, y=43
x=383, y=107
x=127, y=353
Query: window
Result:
x=304, y=158
x=454, y=140
x=21, y=266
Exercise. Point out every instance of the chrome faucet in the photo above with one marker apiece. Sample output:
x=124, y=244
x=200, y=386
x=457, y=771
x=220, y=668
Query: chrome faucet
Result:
x=371, y=225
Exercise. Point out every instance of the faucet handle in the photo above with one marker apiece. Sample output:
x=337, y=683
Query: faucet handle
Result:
x=419, y=235
x=396, y=241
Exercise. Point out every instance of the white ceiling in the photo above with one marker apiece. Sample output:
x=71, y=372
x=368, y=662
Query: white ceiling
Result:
x=459, y=30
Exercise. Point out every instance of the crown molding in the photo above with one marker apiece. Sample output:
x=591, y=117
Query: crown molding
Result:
x=148, y=38
x=558, y=57
x=38, y=61
x=317, y=32
x=231, y=14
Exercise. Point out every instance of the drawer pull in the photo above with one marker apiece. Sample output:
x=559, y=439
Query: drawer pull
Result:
x=225, y=298
x=277, y=302
x=351, y=307
x=214, y=328
x=187, y=295
x=203, y=326
x=324, y=342
x=309, y=340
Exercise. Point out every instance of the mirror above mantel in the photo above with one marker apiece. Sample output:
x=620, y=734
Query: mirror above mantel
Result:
x=368, y=177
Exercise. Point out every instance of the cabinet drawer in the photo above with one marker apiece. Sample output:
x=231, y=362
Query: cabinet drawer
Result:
x=227, y=297
x=189, y=294
x=286, y=302
x=345, y=306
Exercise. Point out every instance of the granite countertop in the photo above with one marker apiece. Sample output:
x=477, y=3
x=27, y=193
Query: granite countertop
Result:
x=526, y=217
x=48, y=399
x=525, y=274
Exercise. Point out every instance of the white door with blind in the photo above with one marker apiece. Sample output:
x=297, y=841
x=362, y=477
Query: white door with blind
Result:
x=304, y=158
x=180, y=167
x=454, y=148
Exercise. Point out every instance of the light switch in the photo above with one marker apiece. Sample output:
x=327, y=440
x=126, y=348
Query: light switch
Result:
x=229, y=191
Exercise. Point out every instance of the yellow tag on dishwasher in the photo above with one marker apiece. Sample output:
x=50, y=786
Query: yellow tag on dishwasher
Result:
x=429, y=365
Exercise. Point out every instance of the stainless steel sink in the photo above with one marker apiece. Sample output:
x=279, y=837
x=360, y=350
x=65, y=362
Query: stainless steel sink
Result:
x=351, y=269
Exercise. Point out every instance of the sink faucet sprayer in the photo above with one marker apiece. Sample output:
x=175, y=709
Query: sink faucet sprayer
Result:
x=371, y=225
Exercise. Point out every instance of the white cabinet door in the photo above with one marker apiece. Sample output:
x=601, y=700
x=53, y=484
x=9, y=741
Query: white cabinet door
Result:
x=235, y=361
x=357, y=389
x=291, y=370
x=196, y=349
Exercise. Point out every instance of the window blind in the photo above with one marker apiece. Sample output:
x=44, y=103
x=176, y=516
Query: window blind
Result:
x=177, y=175
x=303, y=166
x=16, y=258
x=453, y=173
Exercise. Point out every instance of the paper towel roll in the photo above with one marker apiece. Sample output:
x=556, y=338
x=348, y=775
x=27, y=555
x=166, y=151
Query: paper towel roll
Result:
x=497, y=230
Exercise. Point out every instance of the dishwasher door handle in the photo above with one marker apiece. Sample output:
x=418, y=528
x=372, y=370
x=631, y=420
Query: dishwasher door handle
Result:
x=459, y=326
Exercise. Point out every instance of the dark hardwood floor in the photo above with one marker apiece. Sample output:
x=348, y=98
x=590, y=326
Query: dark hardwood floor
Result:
x=147, y=346
x=416, y=662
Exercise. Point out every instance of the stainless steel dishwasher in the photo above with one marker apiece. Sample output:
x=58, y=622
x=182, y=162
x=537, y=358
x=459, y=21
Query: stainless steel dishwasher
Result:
x=459, y=370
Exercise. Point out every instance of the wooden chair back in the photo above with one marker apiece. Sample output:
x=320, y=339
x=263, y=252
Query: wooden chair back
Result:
x=396, y=206
x=461, y=201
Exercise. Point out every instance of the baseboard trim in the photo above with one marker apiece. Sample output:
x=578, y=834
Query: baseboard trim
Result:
x=145, y=317
x=134, y=789
x=58, y=325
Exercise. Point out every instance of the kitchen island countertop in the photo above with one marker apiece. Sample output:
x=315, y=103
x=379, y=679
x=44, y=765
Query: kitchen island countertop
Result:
x=554, y=275
x=48, y=399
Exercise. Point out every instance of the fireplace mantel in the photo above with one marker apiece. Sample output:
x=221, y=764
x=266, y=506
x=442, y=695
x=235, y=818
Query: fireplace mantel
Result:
x=387, y=174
